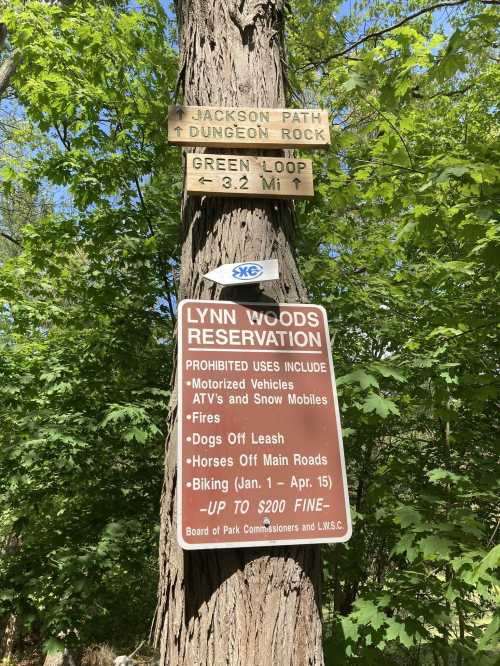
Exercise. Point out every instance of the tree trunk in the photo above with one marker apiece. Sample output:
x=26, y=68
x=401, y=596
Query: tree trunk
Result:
x=241, y=607
x=7, y=71
x=9, y=65
x=9, y=638
x=10, y=635
x=63, y=658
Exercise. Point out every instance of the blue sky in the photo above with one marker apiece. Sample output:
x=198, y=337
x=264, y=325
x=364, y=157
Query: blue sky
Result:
x=440, y=16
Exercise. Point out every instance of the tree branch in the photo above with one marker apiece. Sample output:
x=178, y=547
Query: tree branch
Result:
x=10, y=238
x=161, y=259
x=3, y=35
x=383, y=31
x=63, y=137
x=449, y=93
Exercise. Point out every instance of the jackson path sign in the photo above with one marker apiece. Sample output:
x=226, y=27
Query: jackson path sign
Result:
x=241, y=127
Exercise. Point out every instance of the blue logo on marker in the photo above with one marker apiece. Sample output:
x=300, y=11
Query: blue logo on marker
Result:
x=248, y=271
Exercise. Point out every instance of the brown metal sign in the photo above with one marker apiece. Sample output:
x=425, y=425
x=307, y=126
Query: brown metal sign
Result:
x=260, y=458
x=241, y=127
x=242, y=176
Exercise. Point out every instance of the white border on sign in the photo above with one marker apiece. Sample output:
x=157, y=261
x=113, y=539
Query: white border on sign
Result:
x=180, y=377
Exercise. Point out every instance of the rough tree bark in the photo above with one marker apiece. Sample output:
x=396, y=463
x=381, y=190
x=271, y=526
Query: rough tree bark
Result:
x=242, y=607
x=9, y=65
x=11, y=546
x=9, y=637
x=7, y=71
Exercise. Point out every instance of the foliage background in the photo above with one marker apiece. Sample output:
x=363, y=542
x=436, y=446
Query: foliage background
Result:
x=400, y=245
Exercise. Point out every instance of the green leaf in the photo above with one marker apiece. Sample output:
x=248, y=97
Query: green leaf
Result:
x=380, y=405
x=368, y=613
x=388, y=371
x=408, y=515
x=491, y=561
x=353, y=82
x=364, y=379
x=439, y=474
x=435, y=547
x=397, y=631
x=456, y=171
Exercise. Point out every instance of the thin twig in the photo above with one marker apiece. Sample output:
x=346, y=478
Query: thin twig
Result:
x=383, y=31
x=136, y=649
x=401, y=137
x=490, y=541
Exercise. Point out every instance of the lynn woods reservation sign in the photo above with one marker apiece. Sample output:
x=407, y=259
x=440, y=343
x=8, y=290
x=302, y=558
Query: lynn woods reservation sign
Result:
x=260, y=458
x=241, y=127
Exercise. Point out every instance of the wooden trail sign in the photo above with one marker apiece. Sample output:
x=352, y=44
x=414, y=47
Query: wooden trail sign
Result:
x=259, y=457
x=241, y=176
x=241, y=127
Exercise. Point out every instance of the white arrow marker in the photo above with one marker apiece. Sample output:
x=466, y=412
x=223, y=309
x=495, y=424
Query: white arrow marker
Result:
x=246, y=272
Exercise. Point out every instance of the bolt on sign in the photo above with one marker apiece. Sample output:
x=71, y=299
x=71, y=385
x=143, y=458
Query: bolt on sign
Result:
x=260, y=457
x=241, y=127
x=238, y=176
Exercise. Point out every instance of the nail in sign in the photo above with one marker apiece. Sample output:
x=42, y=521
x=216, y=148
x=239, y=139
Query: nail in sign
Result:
x=242, y=127
x=260, y=458
x=242, y=176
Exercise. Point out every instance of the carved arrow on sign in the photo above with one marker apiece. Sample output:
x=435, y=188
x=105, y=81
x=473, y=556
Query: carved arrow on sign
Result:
x=180, y=113
x=204, y=180
x=178, y=131
x=246, y=272
x=297, y=182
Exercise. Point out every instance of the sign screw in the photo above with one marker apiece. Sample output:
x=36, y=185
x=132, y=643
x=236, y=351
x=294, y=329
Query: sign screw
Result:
x=267, y=522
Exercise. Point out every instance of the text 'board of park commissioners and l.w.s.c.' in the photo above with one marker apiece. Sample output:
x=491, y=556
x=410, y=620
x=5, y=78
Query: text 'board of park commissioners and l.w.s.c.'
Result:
x=260, y=457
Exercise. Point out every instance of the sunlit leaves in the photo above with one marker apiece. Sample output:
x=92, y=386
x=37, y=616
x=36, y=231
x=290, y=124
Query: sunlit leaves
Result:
x=85, y=332
x=402, y=248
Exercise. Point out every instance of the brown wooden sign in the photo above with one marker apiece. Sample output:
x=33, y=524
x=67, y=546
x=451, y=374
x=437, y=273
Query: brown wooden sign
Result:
x=260, y=459
x=248, y=128
x=240, y=176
